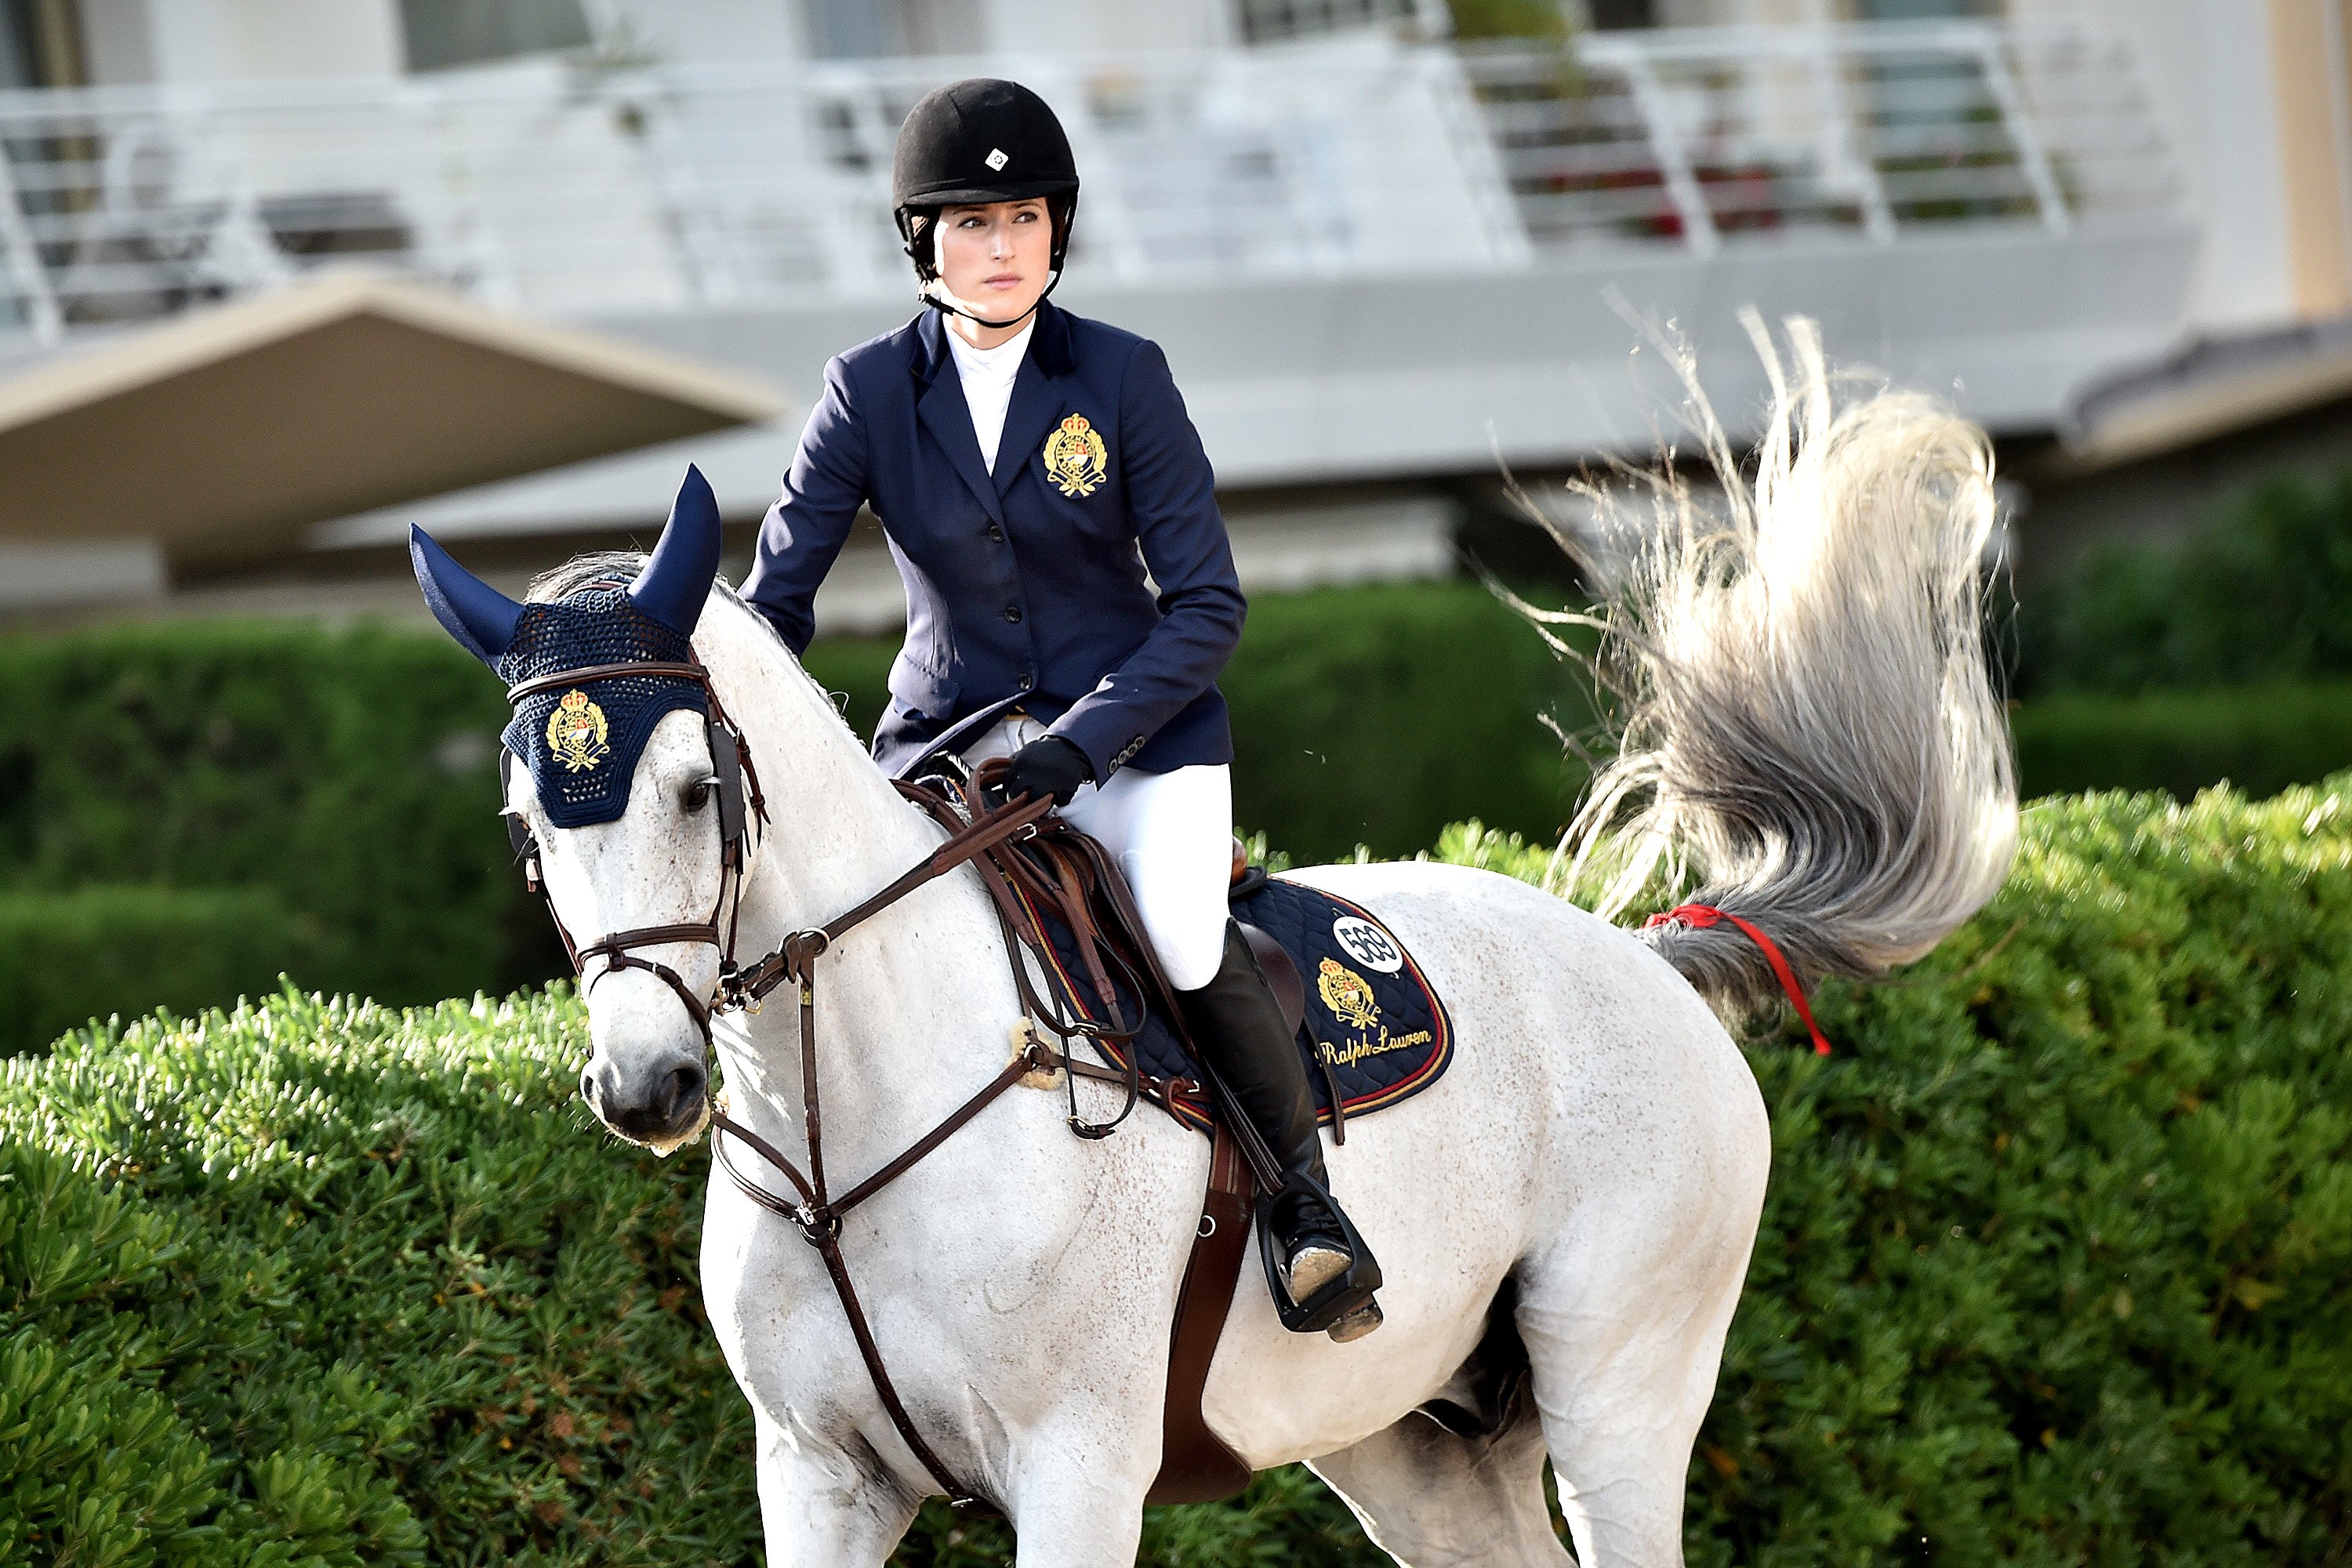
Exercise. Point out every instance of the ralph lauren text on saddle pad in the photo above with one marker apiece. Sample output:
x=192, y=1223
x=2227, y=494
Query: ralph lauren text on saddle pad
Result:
x=1376, y=1029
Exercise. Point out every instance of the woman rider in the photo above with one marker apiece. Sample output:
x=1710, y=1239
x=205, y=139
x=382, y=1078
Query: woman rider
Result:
x=1028, y=465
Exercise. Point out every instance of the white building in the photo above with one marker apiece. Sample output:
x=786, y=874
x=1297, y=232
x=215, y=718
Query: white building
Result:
x=1379, y=251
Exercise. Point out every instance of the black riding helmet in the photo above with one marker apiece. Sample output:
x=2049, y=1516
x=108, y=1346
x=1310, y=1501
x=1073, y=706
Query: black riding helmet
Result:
x=975, y=142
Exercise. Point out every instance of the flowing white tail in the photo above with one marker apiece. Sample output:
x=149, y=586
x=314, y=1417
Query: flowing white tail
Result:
x=1809, y=728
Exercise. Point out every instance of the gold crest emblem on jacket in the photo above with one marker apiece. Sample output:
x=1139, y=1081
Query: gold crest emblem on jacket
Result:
x=1076, y=458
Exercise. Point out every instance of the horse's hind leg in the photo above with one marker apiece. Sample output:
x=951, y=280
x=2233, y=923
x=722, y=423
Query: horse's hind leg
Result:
x=1622, y=1394
x=1431, y=1499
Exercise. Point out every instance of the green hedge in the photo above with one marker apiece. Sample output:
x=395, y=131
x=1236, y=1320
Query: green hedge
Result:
x=2053, y=1267
x=2173, y=666
x=2261, y=593
x=2260, y=739
x=347, y=775
x=350, y=773
x=2056, y=1252
x=1377, y=715
x=139, y=948
x=353, y=1289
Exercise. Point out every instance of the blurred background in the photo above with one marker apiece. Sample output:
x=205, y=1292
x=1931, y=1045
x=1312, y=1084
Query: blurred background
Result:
x=279, y=277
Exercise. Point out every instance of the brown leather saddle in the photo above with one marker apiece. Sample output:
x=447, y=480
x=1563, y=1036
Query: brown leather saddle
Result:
x=1059, y=869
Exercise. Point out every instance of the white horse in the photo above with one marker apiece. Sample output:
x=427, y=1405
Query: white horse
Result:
x=1595, y=1158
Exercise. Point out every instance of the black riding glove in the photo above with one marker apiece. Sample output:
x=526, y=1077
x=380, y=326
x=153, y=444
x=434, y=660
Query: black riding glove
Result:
x=1047, y=766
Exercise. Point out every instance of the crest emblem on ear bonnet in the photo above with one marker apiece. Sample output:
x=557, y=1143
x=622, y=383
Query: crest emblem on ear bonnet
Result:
x=581, y=745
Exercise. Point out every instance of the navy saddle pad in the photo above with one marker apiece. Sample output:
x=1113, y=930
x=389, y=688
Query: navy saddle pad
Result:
x=1376, y=1031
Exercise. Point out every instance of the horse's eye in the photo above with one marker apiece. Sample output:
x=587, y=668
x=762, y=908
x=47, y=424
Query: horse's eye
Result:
x=697, y=795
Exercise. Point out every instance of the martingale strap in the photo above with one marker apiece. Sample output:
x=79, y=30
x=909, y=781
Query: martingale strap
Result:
x=817, y=1216
x=818, y=1220
x=986, y=841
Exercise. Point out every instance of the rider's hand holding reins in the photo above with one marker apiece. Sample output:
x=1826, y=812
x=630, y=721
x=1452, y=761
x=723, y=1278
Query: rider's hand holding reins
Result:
x=1049, y=766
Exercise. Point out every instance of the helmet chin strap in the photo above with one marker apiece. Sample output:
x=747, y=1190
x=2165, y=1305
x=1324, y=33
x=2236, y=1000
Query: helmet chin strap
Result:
x=948, y=308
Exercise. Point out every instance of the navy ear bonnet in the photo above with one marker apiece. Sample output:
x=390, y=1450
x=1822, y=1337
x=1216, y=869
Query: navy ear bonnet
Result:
x=582, y=742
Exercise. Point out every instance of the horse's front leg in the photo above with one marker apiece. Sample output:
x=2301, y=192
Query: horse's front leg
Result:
x=1078, y=1503
x=822, y=1510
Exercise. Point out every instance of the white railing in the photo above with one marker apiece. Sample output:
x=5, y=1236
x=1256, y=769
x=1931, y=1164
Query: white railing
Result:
x=1708, y=137
x=691, y=187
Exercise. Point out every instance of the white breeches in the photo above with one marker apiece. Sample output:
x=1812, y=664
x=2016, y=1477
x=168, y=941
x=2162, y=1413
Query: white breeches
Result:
x=1172, y=834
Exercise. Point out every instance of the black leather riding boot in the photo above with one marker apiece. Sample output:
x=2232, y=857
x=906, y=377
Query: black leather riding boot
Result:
x=1238, y=1025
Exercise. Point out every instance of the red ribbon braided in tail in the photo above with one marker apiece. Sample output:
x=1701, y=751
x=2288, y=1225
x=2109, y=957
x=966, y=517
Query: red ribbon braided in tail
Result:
x=1698, y=917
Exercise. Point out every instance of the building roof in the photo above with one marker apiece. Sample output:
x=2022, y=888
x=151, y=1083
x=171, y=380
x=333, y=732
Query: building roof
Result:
x=226, y=434
x=2211, y=387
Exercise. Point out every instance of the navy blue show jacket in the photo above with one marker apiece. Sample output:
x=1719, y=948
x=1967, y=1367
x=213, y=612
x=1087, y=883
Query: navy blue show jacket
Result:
x=1025, y=588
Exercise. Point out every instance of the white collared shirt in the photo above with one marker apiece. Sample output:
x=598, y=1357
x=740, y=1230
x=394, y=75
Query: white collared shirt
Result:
x=987, y=375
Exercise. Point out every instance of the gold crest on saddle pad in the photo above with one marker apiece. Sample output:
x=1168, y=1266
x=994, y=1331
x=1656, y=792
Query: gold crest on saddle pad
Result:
x=575, y=732
x=1344, y=992
x=1076, y=458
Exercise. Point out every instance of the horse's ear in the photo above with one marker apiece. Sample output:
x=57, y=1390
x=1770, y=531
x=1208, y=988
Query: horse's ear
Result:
x=481, y=618
x=676, y=580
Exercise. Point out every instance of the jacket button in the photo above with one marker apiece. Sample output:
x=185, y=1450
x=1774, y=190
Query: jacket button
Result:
x=1013, y=613
x=1027, y=681
x=995, y=534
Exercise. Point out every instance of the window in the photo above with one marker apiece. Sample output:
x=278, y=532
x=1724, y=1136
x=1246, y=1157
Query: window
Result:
x=40, y=44
x=853, y=29
x=863, y=29
x=1610, y=15
x=1267, y=21
x=440, y=33
x=1919, y=10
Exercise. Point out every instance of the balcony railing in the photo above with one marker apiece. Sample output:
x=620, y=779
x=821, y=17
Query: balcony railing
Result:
x=694, y=188
x=1706, y=136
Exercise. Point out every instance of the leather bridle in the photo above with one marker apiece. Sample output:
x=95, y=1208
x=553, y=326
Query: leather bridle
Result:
x=737, y=788
x=983, y=836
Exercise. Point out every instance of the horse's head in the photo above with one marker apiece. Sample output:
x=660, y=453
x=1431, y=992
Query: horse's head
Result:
x=621, y=785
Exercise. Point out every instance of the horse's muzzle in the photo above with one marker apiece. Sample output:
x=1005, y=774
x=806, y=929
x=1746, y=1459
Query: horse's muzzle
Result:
x=663, y=1106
